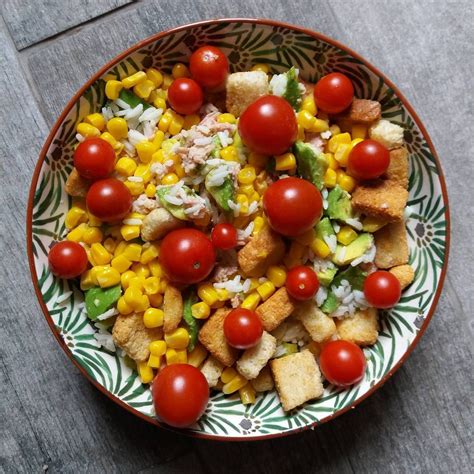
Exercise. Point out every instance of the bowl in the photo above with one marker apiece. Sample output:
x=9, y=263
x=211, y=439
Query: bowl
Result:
x=246, y=42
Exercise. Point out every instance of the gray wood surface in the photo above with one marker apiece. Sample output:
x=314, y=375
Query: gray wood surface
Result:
x=420, y=421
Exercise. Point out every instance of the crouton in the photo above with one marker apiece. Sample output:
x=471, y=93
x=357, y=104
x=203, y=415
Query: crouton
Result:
x=131, y=335
x=319, y=326
x=158, y=223
x=213, y=339
x=212, y=370
x=264, y=380
x=297, y=379
x=382, y=199
x=264, y=249
x=277, y=308
x=361, y=328
x=397, y=171
x=392, y=245
x=172, y=308
x=243, y=88
x=253, y=360
x=387, y=133
x=404, y=274
x=365, y=111
x=76, y=185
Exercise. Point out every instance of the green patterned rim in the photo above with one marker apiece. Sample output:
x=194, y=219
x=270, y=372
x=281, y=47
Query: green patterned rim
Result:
x=246, y=41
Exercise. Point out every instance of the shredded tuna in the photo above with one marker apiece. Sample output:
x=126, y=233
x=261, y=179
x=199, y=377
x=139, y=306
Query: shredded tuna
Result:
x=224, y=272
x=315, y=140
x=144, y=205
x=236, y=301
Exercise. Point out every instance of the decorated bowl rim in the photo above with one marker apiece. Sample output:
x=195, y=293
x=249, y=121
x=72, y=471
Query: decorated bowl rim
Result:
x=72, y=102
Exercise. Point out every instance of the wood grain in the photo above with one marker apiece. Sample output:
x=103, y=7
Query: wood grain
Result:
x=420, y=421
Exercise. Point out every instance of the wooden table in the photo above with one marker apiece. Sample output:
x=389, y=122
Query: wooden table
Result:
x=52, y=419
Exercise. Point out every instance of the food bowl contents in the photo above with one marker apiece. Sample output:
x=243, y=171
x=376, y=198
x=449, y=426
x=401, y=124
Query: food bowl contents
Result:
x=237, y=231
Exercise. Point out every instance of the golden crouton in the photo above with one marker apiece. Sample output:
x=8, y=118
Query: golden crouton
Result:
x=365, y=111
x=277, y=308
x=297, y=379
x=264, y=249
x=392, y=245
x=319, y=326
x=130, y=334
x=397, y=171
x=404, y=273
x=361, y=328
x=213, y=339
x=172, y=308
x=158, y=223
x=76, y=185
x=382, y=199
x=243, y=88
x=264, y=381
x=253, y=360
x=212, y=370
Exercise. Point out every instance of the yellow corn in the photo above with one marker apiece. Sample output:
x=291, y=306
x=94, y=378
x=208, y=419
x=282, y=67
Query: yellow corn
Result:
x=359, y=131
x=372, y=224
x=92, y=235
x=87, y=130
x=229, y=153
x=334, y=129
x=151, y=285
x=144, y=304
x=251, y=301
x=300, y=135
x=165, y=121
x=143, y=89
x=258, y=225
x=309, y=104
x=170, y=178
x=156, y=300
x=190, y=120
x=338, y=139
x=110, y=245
x=246, y=189
x=226, y=118
x=134, y=297
x=261, y=67
x=180, y=70
x=176, y=124
x=305, y=119
x=125, y=278
x=150, y=190
x=121, y=263
x=125, y=166
x=154, y=361
x=342, y=153
x=97, y=120
x=332, y=162
x=167, y=81
x=157, y=348
x=160, y=103
x=93, y=220
x=145, y=372
x=112, y=89
x=141, y=270
x=247, y=394
x=222, y=294
x=319, y=126
x=149, y=253
x=306, y=238
x=346, y=182
x=135, y=188
x=133, y=252
x=285, y=162
x=137, y=282
x=346, y=235
x=86, y=281
x=117, y=127
x=143, y=171
x=228, y=374
x=108, y=277
x=74, y=217
x=145, y=150
x=320, y=248
x=154, y=76
x=208, y=294
x=247, y=175
x=197, y=355
x=94, y=272
x=235, y=384
x=100, y=254
x=117, y=146
x=130, y=232
x=171, y=356
x=134, y=79
x=121, y=246
x=123, y=307
x=265, y=290
x=330, y=178
x=243, y=200
x=153, y=318
x=200, y=310
x=178, y=339
x=155, y=268
x=277, y=275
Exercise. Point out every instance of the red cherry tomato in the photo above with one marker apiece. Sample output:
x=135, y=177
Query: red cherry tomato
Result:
x=109, y=199
x=369, y=159
x=67, y=259
x=180, y=395
x=242, y=328
x=94, y=158
x=342, y=363
x=185, y=96
x=187, y=255
x=333, y=93
x=302, y=283
x=209, y=67
x=382, y=289
x=268, y=125
x=224, y=236
x=292, y=205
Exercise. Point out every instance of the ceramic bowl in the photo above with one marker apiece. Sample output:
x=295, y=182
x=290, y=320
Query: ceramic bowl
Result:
x=246, y=42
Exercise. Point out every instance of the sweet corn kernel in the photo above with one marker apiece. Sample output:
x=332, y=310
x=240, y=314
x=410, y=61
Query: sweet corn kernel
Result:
x=229, y=153
x=133, y=297
x=165, y=121
x=133, y=252
x=86, y=281
x=97, y=120
x=149, y=253
x=154, y=76
x=180, y=70
x=208, y=294
x=141, y=270
x=359, y=131
x=93, y=220
x=176, y=124
x=130, y=232
x=222, y=294
x=100, y=254
x=342, y=153
x=247, y=394
x=121, y=246
x=200, y=310
x=178, y=339
x=144, y=89
x=285, y=162
x=156, y=300
x=338, y=139
x=295, y=254
x=243, y=200
x=112, y=89
x=228, y=374
x=144, y=372
x=320, y=248
x=110, y=245
x=300, y=134
x=332, y=162
x=257, y=160
x=319, y=126
x=144, y=304
x=334, y=129
x=92, y=235
x=135, y=188
x=261, y=67
x=74, y=217
x=134, y=79
x=125, y=166
x=246, y=189
x=90, y=258
x=94, y=272
x=123, y=307
x=258, y=225
x=169, y=178
x=235, y=384
x=346, y=235
x=372, y=224
x=246, y=175
x=145, y=150
x=150, y=190
x=117, y=127
x=87, y=130
x=151, y=285
x=265, y=290
x=174, y=356
x=226, y=118
x=143, y=171
x=167, y=81
x=251, y=301
x=346, y=182
x=309, y=104
x=125, y=278
x=330, y=178
x=190, y=120
x=154, y=361
x=108, y=277
x=117, y=146
x=160, y=103
x=305, y=119
x=153, y=318
x=277, y=275
x=121, y=263
x=197, y=356
x=155, y=268
x=137, y=282
x=157, y=348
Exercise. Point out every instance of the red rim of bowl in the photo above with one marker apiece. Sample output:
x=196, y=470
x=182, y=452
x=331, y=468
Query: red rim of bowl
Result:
x=96, y=76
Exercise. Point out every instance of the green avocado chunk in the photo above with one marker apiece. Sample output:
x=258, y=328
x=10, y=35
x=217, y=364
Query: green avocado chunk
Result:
x=330, y=305
x=345, y=254
x=286, y=348
x=324, y=228
x=99, y=300
x=215, y=153
x=175, y=209
x=325, y=277
x=132, y=99
x=190, y=320
x=222, y=194
x=339, y=204
x=292, y=91
x=311, y=163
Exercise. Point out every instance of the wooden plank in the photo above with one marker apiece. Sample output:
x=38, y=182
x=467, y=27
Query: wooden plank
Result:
x=31, y=22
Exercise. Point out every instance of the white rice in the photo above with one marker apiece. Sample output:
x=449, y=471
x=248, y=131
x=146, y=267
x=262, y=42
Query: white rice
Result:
x=132, y=222
x=234, y=207
x=202, y=141
x=336, y=227
x=173, y=199
x=107, y=314
x=244, y=235
x=253, y=207
x=366, y=257
x=320, y=264
x=331, y=242
x=149, y=129
x=217, y=176
x=354, y=222
x=64, y=297
x=232, y=286
x=104, y=339
x=350, y=300
x=129, y=148
x=246, y=285
x=135, y=179
x=135, y=137
x=278, y=84
x=122, y=104
x=324, y=193
x=107, y=113
x=325, y=204
x=321, y=295
x=224, y=138
x=326, y=135
x=203, y=129
x=80, y=138
x=151, y=113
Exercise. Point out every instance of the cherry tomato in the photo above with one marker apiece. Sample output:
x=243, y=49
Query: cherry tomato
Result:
x=382, y=289
x=268, y=125
x=224, y=236
x=109, y=199
x=292, y=205
x=185, y=96
x=242, y=328
x=67, y=259
x=333, y=93
x=94, y=158
x=187, y=255
x=209, y=67
x=302, y=283
x=180, y=394
x=342, y=363
x=369, y=159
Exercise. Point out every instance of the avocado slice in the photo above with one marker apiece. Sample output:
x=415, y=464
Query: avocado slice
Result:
x=176, y=210
x=354, y=275
x=339, y=204
x=311, y=164
x=346, y=253
x=215, y=153
x=291, y=91
x=99, y=300
x=223, y=193
x=132, y=99
x=285, y=348
x=324, y=228
x=190, y=320
x=325, y=277
x=330, y=305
